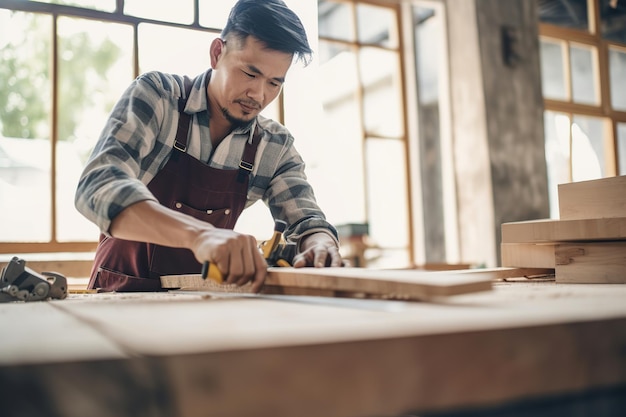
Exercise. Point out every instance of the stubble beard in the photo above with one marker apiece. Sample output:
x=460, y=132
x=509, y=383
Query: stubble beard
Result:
x=235, y=121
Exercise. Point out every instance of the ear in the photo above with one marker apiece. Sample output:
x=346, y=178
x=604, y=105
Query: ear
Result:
x=216, y=51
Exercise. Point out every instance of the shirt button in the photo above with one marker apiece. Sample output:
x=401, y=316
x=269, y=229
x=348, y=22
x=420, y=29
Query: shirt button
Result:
x=209, y=211
x=178, y=205
x=227, y=211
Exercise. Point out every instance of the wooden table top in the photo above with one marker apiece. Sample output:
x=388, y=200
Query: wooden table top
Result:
x=188, y=354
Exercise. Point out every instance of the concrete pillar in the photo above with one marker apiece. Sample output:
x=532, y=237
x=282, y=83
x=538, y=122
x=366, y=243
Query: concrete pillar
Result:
x=497, y=121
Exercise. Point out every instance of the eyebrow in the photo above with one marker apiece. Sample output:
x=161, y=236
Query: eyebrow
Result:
x=255, y=70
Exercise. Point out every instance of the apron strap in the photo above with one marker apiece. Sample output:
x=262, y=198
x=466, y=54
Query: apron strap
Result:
x=246, y=165
x=182, y=134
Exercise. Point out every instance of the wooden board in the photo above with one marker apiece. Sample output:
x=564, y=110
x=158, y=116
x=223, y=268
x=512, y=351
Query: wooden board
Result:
x=405, y=284
x=602, y=198
x=547, y=230
x=527, y=255
x=591, y=262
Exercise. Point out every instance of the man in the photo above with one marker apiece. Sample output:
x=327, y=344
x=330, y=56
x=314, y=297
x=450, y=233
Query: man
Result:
x=178, y=160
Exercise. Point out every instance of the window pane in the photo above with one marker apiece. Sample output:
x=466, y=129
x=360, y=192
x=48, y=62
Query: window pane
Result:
x=588, y=149
x=338, y=92
x=180, y=11
x=552, y=70
x=617, y=74
x=377, y=25
x=570, y=13
x=613, y=20
x=95, y=66
x=621, y=147
x=25, y=48
x=584, y=74
x=429, y=39
x=154, y=55
x=104, y=5
x=335, y=20
x=387, y=198
x=214, y=14
x=557, y=137
x=382, y=103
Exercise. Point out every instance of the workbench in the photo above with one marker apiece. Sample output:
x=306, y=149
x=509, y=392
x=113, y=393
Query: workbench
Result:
x=524, y=348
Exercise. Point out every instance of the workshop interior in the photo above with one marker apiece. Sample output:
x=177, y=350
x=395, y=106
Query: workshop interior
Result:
x=471, y=155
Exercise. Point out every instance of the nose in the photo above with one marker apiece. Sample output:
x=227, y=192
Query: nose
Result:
x=256, y=91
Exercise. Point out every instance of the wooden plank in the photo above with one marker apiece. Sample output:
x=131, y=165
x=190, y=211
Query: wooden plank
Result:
x=591, y=262
x=602, y=198
x=548, y=230
x=527, y=255
x=406, y=284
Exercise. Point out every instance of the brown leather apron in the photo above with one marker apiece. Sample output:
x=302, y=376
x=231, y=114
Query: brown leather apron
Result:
x=187, y=185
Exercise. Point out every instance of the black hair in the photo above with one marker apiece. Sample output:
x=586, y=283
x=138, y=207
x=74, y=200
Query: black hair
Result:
x=271, y=22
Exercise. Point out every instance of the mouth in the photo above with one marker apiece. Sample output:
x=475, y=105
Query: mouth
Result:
x=248, y=107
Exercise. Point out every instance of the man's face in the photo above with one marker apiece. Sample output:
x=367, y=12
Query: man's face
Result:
x=246, y=78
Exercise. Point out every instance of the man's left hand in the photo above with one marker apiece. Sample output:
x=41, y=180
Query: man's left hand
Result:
x=318, y=250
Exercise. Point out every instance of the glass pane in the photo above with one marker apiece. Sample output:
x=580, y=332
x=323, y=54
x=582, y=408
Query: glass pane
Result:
x=335, y=20
x=25, y=47
x=180, y=11
x=621, y=147
x=429, y=39
x=588, y=149
x=387, y=194
x=377, y=25
x=570, y=13
x=154, y=55
x=617, y=76
x=104, y=5
x=25, y=151
x=613, y=20
x=214, y=14
x=552, y=70
x=584, y=74
x=95, y=67
x=382, y=102
x=557, y=137
x=337, y=176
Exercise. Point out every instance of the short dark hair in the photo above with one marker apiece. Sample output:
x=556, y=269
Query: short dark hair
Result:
x=271, y=22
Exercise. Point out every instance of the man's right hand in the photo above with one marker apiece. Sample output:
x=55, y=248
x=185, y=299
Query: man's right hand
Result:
x=236, y=256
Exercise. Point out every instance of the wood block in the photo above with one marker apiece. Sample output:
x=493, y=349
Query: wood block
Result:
x=527, y=255
x=602, y=198
x=591, y=262
x=408, y=284
x=547, y=230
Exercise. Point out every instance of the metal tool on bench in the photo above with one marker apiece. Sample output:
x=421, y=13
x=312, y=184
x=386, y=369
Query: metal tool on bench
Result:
x=276, y=252
x=20, y=283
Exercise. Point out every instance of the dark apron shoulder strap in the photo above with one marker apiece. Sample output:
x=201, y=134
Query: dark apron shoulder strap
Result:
x=246, y=165
x=184, y=120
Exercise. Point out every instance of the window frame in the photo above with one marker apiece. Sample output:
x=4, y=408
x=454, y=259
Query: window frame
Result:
x=590, y=37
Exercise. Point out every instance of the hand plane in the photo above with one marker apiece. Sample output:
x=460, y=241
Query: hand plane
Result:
x=276, y=252
x=19, y=283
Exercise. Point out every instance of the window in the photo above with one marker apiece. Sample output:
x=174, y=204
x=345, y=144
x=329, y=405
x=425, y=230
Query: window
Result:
x=65, y=64
x=583, y=69
x=360, y=88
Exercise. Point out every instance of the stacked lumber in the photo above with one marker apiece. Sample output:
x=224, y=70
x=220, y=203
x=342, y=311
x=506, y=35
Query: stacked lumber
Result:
x=587, y=244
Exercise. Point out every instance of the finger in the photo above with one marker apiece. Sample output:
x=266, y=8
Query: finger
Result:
x=335, y=257
x=321, y=254
x=260, y=274
x=247, y=262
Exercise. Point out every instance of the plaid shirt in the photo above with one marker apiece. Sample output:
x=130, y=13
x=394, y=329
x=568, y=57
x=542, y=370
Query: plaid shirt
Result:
x=138, y=138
